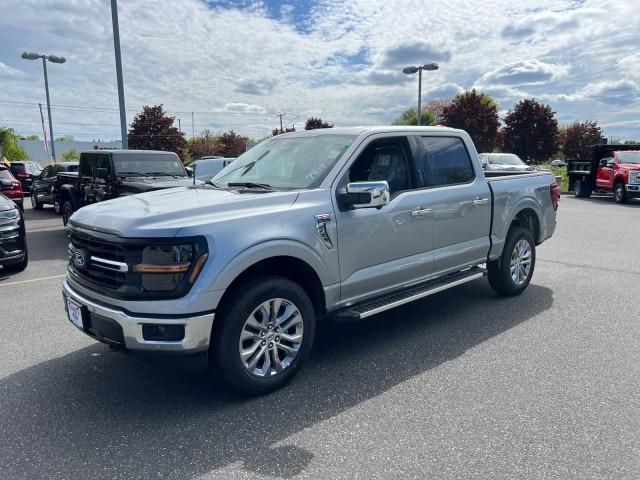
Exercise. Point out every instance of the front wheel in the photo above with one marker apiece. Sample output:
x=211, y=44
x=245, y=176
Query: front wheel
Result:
x=35, y=204
x=581, y=189
x=262, y=333
x=511, y=273
x=620, y=193
x=67, y=211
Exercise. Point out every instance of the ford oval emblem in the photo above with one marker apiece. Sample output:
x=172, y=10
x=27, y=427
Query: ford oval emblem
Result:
x=79, y=258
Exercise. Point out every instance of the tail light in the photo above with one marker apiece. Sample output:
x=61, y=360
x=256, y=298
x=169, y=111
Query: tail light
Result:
x=555, y=195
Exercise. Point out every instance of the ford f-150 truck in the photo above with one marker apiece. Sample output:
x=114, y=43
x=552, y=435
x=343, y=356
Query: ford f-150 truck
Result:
x=341, y=222
x=613, y=168
x=107, y=174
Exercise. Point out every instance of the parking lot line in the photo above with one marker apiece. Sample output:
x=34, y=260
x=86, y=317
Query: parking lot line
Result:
x=31, y=280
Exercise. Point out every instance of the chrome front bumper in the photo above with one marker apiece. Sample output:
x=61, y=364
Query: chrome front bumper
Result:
x=197, y=329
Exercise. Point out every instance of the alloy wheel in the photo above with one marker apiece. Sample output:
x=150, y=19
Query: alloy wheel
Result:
x=520, y=262
x=271, y=337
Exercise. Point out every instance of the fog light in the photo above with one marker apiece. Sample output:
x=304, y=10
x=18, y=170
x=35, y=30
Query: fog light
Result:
x=163, y=333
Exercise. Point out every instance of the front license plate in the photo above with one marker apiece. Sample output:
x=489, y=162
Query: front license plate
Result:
x=75, y=313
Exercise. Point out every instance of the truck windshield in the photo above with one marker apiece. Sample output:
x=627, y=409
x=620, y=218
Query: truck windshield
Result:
x=287, y=162
x=504, y=159
x=629, y=157
x=148, y=164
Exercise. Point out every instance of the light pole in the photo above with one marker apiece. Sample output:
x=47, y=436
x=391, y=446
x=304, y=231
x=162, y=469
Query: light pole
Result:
x=410, y=71
x=116, y=48
x=53, y=59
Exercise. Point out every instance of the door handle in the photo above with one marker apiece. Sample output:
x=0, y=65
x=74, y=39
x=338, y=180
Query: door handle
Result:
x=480, y=201
x=421, y=212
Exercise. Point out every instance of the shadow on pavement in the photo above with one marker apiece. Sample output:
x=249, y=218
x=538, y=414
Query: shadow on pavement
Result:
x=100, y=413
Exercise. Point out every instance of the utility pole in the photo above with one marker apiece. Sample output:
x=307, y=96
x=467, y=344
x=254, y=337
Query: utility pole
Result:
x=193, y=127
x=281, y=115
x=179, y=126
x=44, y=131
x=116, y=47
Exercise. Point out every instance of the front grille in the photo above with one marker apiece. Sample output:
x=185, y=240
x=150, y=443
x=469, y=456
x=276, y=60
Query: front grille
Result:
x=96, y=274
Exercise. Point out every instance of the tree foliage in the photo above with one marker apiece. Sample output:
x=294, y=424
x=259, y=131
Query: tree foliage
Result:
x=31, y=137
x=409, y=117
x=314, y=123
x=531, y=131
x=477, y=113
x=70, y=156
x=277, y=131
x=576, y=140
x=231, y=144
x=228, y=144
x=204, y=144
x=9, y=148
x=65, y=138
x=437, y=107
x=152, y=129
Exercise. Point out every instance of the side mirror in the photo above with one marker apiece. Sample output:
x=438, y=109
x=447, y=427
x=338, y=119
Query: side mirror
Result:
x=365, y=195
x=189, y=171
x=102, y=173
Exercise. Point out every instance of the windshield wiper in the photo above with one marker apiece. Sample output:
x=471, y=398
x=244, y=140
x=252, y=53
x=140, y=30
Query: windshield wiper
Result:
x=165, y=174
x=262, y=186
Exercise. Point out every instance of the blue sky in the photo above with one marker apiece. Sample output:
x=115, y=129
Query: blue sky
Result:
x=236, y=64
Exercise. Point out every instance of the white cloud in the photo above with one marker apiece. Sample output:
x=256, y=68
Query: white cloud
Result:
x=522, y=73
x=9, y=72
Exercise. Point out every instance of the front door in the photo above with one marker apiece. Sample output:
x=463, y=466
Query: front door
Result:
x=382, y=249
x=604, y=177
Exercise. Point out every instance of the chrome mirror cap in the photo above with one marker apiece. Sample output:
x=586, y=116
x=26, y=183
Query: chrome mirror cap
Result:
x=369, y=194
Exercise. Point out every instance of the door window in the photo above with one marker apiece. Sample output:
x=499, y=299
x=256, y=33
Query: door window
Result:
x=384, y=160
x=444, y=161
x=87, y=162
x=47, y=172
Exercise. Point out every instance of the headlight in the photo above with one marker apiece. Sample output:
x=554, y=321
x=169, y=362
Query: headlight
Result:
x=9, y=216
x=164, y=268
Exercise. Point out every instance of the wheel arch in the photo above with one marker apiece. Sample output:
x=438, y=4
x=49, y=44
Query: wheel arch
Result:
x=529, y=219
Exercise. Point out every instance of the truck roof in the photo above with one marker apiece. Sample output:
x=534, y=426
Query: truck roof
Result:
x=365, y=130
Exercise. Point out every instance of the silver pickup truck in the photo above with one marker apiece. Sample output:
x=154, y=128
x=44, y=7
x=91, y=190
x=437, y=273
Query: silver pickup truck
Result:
x=341, y=222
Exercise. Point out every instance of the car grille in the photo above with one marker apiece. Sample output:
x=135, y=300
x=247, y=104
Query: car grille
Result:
x=101, y=259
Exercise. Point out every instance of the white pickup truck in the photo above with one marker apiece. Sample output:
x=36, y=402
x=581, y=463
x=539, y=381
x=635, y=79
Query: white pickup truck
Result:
x=341, y=222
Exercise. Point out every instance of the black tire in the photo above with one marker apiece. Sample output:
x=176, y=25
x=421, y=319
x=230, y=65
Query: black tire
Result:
x=57, y=208
x=35, y=204
x=581, y=189
x=224, y=351
x=620, y=193
x=500, y=275
x=67, y=211
x=18, y=267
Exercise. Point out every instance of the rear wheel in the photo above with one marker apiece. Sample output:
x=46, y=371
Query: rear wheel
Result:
x=581, y=189
x=262, y=333
x=512, y=272
x=620, y=193
x=67, y=211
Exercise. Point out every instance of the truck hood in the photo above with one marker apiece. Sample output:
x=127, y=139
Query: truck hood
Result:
x=132, y=185
x=166, y=212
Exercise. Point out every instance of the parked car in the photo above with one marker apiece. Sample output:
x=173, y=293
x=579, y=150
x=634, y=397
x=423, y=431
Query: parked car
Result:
x=11, y=187
x=612, y=169
x=106, y=174
x=14, y=256
x=558, y=163
x=42, y=188
x=347, y=222
x=504, y=162
x=206, y=167
x=25, y=172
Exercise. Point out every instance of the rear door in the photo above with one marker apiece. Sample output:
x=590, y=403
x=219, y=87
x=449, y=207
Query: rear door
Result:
x=383, y=249
x=461, y=203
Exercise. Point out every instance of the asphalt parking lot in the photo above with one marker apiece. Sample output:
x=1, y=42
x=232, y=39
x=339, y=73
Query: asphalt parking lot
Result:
x=461, y=385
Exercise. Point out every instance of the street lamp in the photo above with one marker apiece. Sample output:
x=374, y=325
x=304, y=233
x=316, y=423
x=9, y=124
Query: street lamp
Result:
x=413, y=69
x=52, y=59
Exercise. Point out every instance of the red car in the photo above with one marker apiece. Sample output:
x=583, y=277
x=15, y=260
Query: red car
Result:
x=11, y=187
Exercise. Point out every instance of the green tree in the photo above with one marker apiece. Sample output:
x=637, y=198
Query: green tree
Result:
x=314, y=123
x=276, y=131
x=70, y=156
x=409, y=117
x=32, y=137
x=531, y=131
x=576, y=140
x=9, y=148
x=477, y=114
x=65, y=138
x=152, y=129
x=205, y=144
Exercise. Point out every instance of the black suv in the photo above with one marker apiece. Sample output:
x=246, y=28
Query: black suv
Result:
x=13, y=242
x=42, y=188
x=25, y=172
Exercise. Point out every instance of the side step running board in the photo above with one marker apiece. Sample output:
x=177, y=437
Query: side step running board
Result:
x=416, y=292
